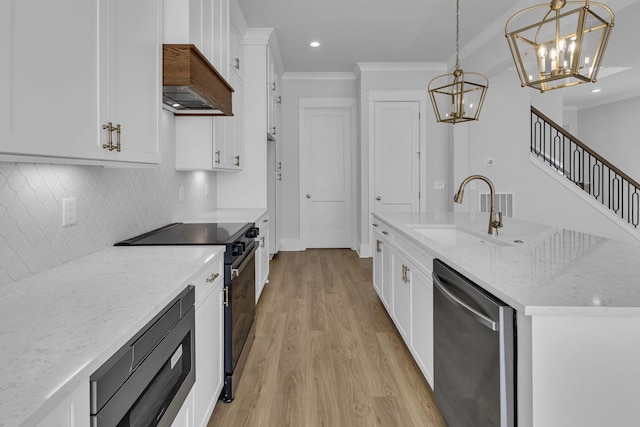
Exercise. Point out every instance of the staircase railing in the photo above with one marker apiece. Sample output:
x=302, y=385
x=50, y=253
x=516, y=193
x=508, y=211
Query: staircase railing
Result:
x=584, y=167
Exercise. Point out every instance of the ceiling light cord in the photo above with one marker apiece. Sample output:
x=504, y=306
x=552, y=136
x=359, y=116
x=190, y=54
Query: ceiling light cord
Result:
x=457, y=34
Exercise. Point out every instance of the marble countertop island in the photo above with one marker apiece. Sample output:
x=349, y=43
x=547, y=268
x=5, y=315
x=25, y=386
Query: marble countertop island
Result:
x=537, y=269
x=59, y=326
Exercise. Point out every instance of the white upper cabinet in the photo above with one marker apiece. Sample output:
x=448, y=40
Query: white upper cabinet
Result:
x=95, y=62
x=131, y=51
x=236, y=51
x=206, y=142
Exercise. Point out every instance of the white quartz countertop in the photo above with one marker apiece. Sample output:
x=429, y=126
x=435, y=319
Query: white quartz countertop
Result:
x=553, y=271
x=57, y=327
x=229, y=215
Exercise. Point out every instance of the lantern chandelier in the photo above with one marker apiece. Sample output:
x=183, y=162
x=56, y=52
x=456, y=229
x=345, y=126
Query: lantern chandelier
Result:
x=554, y=47
x=460, y=99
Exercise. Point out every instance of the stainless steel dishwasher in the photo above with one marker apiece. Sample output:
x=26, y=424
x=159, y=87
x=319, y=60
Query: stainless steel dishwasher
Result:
x=474, y=353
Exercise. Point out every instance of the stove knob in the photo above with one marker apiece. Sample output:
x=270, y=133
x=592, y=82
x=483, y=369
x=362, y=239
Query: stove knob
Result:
x=238, y=249
x=252, y=233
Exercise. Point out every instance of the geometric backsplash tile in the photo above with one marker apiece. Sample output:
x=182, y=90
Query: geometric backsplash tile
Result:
x=112, y=204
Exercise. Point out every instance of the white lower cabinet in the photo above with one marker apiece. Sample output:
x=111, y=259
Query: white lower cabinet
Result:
x=402, y=279
x=401, y=289
x=262, y=255
x=422, y=321
x=184, y=417
x=72, y=412
x=209, y=342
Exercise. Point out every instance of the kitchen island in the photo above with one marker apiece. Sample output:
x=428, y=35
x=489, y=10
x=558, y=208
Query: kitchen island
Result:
x=577, y=298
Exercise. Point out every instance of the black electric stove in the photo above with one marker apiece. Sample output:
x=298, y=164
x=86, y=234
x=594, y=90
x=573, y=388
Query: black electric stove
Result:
x=239, y=282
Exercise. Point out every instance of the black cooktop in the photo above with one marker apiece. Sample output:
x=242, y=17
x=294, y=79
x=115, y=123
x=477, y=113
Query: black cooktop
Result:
x=191, y=234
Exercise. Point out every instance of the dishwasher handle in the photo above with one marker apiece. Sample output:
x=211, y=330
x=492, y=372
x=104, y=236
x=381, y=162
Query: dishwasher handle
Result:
x=481, y=318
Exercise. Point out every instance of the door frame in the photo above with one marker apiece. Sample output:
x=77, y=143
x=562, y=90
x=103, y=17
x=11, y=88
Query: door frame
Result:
x=387, y=95
x=306, y=104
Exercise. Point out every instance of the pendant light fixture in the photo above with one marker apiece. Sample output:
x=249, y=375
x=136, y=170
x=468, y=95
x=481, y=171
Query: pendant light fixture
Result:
x=554, y=47
x=459, y=99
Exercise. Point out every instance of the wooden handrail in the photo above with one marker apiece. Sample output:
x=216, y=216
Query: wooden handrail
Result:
x=586, y=148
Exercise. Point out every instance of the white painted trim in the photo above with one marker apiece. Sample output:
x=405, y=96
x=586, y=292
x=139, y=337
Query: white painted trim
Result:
x=305, y=103
x=624, y=226
x=390, y=95
x=400, y=66
x=318, y=76
x=257, y=36
x=318, y=102
x=291, y=245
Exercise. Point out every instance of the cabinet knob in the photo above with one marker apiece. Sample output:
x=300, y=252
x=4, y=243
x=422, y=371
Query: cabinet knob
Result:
x=378, y=198
x=308, y=196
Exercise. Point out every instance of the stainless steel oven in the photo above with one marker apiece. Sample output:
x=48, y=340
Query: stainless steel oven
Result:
x=146, y=381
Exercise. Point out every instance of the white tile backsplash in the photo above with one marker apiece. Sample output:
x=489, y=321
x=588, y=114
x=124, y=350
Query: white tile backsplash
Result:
x=112, y=204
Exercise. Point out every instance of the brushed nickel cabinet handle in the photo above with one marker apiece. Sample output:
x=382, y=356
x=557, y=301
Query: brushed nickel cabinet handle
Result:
x=217, y=157
x=213, y=277
x=378, y=246
x=237, y=163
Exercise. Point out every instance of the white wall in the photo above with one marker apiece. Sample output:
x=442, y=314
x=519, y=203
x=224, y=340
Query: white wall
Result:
x=112, y=204
x=294, y=87
x=613, y=131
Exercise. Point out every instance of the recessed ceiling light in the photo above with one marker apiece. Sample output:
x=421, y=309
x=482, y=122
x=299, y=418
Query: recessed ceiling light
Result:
x=596, y=90
x=314, y=44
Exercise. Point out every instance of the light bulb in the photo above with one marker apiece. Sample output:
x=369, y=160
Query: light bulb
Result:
x=562, y=44
x=542, y=51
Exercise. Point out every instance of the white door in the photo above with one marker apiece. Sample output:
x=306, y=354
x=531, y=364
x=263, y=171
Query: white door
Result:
x=325, y=176
x=397, y=156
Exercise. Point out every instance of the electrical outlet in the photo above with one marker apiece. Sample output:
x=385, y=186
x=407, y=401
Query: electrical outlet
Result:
x=438, y=185
x=489, y=161
x=69, y=213
x=181, y=194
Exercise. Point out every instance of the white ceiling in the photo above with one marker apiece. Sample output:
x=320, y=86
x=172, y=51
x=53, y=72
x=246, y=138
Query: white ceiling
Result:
x=352, y=31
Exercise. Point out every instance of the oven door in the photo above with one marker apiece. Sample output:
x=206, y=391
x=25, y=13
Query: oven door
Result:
x=239, y=315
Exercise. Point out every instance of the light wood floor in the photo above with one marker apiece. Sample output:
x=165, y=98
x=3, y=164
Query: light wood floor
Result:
x=326, y=353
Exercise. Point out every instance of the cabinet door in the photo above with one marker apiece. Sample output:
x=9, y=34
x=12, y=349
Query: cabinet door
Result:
x=130, y=54
x=378, y=264
x=209, y=356
x=263, y=254
x=422, y=321
x=72, y=412
x=234, y=128
x=401, y=298
x=184, y=418
x=236, y=52
x=49, y=78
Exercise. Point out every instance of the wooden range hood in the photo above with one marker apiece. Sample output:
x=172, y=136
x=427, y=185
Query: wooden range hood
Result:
x=191, y=86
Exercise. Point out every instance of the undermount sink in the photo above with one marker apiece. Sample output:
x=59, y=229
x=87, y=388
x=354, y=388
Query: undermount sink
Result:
x=453, y=236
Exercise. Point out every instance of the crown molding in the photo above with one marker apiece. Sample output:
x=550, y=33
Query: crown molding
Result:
x=318, y=76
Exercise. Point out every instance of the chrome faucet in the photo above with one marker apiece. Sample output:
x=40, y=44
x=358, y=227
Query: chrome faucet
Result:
x=493, y=223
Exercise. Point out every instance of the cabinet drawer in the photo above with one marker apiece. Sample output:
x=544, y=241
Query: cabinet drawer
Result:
x=383, y=230
x=210, y=277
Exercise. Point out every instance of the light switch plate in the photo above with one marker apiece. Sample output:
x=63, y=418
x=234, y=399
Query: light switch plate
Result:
x=438, y=185
x=69, y=213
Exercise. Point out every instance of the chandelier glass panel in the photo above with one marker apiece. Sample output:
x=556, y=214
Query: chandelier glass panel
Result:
x=458, y=97
x=556, y=46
